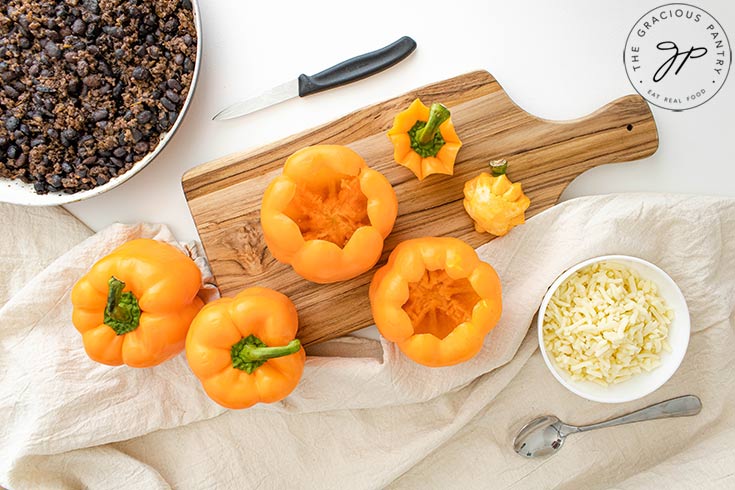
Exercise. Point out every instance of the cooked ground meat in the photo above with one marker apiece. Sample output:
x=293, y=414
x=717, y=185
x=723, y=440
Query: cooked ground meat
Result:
x=88, y=87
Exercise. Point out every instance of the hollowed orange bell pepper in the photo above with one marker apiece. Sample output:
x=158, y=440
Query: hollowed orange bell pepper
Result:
x=135, y=305
x=436, y=300
x=243, y=349
x=328, y=213
x=424, y=140
x=495, y=203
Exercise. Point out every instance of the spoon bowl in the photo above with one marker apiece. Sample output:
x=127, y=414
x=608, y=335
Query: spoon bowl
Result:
x=539, y=438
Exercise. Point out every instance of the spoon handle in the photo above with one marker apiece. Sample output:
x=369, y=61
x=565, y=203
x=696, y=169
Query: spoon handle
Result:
x=682, y=406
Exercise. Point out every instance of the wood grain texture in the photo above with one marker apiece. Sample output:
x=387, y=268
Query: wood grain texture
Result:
x=224, y=195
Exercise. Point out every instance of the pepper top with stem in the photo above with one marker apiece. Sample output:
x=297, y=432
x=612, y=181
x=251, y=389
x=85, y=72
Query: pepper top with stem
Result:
x=424, y=139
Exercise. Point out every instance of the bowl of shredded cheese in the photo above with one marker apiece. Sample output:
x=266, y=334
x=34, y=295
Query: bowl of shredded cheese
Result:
x=613, y=329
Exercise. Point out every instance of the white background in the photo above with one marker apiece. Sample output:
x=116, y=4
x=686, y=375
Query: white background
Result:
x=557, y=60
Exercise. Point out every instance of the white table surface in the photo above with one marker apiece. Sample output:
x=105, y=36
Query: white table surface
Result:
x=557, y=60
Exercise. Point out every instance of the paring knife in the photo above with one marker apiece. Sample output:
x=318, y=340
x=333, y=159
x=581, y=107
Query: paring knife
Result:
x=343, y=73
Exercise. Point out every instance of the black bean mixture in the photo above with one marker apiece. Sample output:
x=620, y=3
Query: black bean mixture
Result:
x=87, y=87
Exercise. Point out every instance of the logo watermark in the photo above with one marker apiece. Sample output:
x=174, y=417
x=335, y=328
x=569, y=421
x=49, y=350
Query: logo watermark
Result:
x=677, y=56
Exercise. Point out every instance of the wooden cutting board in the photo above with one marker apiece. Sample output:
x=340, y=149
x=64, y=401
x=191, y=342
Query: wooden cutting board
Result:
x=224, y=195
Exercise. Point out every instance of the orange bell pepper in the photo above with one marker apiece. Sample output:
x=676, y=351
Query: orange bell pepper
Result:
x=495, y=203
x=135, y=305
x=436, y=300
x=328, y=213
x=424, y=140
x=243, y=349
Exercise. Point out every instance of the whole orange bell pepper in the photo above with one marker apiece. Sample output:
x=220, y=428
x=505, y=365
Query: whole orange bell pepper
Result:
x=495, y=203
x=328, y=213
x=436, y=300
x=135, y=305
x=243, y=349
x=424, y=140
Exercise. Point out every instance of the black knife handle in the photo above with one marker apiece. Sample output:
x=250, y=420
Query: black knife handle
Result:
x=356, y=68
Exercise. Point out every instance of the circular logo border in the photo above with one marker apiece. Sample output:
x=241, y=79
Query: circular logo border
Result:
x=625, y=65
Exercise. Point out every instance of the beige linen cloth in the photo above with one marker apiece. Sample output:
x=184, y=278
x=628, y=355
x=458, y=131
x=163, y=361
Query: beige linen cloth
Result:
x=364, y=416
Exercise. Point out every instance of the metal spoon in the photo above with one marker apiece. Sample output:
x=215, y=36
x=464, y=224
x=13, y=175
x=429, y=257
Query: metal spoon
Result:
x=545, y=435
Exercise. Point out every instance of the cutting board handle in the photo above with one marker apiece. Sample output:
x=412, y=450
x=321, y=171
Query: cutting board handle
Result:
x=624, y=126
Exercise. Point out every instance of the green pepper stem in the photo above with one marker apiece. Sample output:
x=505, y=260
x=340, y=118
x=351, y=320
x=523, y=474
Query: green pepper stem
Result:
x=249, y=353
x=437, y=115
x=498, y=167
x=122, y=312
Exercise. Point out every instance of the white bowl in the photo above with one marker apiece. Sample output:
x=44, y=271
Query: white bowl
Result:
x=639, y=385
x=14, y=191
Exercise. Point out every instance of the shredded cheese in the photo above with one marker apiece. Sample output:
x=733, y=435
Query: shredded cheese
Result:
x=605, y=324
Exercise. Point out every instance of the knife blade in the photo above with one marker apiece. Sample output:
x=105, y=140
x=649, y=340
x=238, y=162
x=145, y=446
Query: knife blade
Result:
x=340, y=74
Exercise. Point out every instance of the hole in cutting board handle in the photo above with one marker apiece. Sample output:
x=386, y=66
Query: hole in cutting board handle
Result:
x=629, y=127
